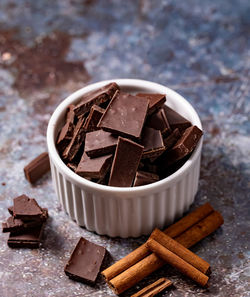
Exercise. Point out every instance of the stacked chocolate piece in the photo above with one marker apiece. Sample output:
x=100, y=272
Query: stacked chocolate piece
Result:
x=118, y=139
x=26, y=223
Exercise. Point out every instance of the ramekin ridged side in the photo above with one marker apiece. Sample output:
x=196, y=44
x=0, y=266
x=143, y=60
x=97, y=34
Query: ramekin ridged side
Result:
x=125, y=212
x=126, y=217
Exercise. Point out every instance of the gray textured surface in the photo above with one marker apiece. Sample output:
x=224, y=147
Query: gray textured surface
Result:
x=199, y=48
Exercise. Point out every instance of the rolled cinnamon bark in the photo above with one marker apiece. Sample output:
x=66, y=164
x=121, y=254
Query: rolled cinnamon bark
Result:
x=154, y=289
x=177, y=262
x=149, y=264
x=178, y=249
x=189, y=220
x=174, y=230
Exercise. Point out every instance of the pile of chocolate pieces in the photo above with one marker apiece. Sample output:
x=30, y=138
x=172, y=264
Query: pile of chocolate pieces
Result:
x=123, y=140
x=26, y=223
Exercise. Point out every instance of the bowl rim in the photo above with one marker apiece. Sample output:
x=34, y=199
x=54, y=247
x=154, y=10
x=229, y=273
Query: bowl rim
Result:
x=123, y=82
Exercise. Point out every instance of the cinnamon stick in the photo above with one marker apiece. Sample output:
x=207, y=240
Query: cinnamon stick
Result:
x=189, y=220
x=154, y=289
x=174, y=230
x=177, y=262
x=178, y=249
x=201, y=230
x=150, y=263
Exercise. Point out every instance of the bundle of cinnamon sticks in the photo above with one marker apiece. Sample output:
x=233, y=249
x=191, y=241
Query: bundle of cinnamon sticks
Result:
x=186, y=232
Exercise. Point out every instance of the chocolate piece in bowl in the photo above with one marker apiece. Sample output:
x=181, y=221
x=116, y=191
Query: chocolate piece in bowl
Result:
x=37, y=168
x=76, y=142
x=171, y=139
x=183, y=147
x=26, y=208
x=125, y=115
x=93, y=118
x=175, y=119
x=96, y=97
x=156, y=101
x=145, y=178
x=72, y=166
x=94, y=168
x=85, y=261
x=99, y=143
x=126, y=161
x=153, y=143
x=159, y=121
x=66, y=132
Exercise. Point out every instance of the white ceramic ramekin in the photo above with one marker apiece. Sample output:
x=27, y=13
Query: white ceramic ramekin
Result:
x=125, y=212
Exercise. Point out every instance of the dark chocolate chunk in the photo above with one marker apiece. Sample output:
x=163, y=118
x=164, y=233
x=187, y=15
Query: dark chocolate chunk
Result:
x=30, y=239
x=153, y=143
x=67, y=130
x=17, y=225
x=156, y=101
x=10, y=210
x=26, y=208
x=94, y=168
x=126, y=161
x=170, y=140
x=176, y=120
x=145, y=178
x=37, y=168
x=125, y=115
x=149, y=166
x=93, y=118
x=95, y=97
x=85, y=261
x=184, y=146
x=159, y=121
x=99, y=143
x=76, y=142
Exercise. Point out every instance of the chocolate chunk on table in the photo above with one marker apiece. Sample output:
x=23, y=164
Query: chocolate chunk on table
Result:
x=99, y=143
x=183, y=147
x=26, y=208
x=156, y=101
x=159, y=121
x=30, y=239
x=125, y=115
x=94, y=168
x=10, y=210
x=37, y=168
x=85, y=261
x=17, y=225
x=67, y=130
x=153, y=143
x=126, y=161
x=76, y=142
x=175, y=120
x=144, y=178
x=93, y=118
x=95, y=97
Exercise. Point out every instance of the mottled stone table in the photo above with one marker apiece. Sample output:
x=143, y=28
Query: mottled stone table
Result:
x=199, y=48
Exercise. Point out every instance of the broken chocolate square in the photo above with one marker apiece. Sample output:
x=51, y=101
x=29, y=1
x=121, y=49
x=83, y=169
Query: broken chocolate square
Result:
x=99, y=143
x=156, y=101
x=125, y=115
x=85, y=261
x=95, y=97
x=126, y=161
x=94, y=168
